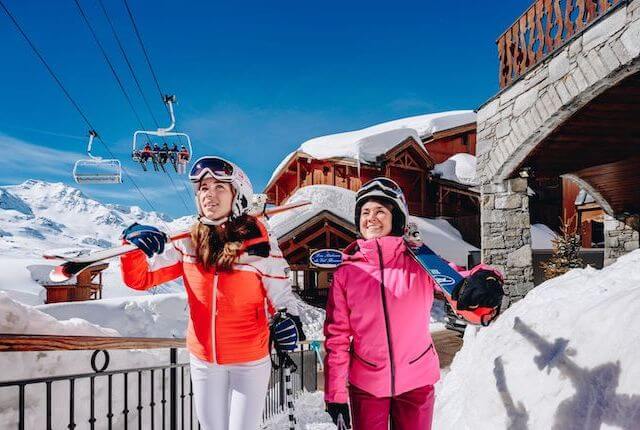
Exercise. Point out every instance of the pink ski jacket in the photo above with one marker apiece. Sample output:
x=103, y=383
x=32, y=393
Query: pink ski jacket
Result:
x=377, y=322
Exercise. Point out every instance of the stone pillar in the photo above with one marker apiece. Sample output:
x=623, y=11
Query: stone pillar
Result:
x=506, y=234
x=619, y=239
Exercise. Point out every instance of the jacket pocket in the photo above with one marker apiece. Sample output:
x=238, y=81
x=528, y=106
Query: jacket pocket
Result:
x=368, y=363
x=422, y=355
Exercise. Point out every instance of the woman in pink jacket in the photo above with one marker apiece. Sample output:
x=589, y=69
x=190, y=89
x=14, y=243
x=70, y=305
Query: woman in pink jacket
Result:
x=380, y=355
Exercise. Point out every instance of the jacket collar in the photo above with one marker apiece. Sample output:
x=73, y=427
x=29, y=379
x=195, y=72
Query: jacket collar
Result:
x=367, y=250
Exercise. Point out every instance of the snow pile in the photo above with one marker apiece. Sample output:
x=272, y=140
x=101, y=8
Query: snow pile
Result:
x=564, y=357
x=312, y=320
x=339, y=201
x=366, y=144
x=161, y=315
x=460, y=168
x=19, y=318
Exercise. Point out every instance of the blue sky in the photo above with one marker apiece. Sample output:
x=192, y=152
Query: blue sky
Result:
x=253, y=79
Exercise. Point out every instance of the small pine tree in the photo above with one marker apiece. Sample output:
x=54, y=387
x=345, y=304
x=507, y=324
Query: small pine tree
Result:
x=566, y=249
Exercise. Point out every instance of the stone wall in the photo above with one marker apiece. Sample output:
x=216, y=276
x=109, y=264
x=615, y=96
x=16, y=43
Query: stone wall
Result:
x=506, y=234
x=619, y=239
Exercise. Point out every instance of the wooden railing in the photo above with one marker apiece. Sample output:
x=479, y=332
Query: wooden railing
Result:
x=159, y=396
x=544, y=27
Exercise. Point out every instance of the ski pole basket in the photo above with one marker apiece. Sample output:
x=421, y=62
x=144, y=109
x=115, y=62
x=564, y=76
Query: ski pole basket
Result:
x=96, y=170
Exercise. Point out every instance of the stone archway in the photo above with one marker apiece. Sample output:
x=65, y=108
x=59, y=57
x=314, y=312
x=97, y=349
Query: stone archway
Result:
x=538, y=118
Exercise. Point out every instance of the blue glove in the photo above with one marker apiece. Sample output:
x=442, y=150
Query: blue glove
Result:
x=147, y=238
x=285, y=332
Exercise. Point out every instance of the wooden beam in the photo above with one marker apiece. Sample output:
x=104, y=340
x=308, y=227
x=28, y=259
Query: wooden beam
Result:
x=22, y=342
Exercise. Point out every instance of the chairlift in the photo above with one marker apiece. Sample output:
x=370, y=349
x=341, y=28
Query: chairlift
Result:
x=96, y=170
x=143, y=153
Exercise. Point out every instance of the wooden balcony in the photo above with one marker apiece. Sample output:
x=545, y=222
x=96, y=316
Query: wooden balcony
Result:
x=544, y=28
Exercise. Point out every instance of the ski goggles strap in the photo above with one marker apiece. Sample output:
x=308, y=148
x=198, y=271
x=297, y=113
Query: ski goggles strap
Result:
x=386, y=185
x=217, y=167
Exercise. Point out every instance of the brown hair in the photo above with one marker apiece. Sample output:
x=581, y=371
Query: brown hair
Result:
x=220, y=245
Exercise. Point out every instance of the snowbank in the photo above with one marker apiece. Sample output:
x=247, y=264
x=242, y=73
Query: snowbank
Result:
x=564, y=357
x=18, y=318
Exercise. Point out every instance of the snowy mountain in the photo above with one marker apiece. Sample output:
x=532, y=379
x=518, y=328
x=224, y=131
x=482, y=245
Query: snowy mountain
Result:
x=36, y=216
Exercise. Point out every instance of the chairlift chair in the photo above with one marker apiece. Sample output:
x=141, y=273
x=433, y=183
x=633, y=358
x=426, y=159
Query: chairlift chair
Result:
x=160, y=132
x=96, y=170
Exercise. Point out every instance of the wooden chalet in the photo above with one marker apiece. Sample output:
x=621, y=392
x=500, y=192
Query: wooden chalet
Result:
x=407, y=163
x=87, y=285
x=324, y=231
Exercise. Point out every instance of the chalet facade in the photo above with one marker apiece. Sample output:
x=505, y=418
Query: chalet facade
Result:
x=409, y=160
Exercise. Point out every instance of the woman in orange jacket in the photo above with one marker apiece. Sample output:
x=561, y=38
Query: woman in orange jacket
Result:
x=234, y=275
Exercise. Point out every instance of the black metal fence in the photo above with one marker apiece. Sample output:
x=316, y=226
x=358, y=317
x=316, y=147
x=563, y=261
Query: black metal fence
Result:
x=156, y=397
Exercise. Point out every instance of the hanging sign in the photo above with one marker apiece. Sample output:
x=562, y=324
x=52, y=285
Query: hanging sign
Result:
x=326, y=258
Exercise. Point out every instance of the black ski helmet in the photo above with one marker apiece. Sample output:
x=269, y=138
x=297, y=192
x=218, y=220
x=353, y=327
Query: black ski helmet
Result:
x=388, y=191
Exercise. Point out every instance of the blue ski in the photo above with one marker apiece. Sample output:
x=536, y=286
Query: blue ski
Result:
x=437, y=268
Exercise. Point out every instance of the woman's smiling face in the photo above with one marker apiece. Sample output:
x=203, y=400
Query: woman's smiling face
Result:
x=375, y=220
x=215, y=198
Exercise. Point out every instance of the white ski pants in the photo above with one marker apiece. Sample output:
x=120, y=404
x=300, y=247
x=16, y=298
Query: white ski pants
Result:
x=230, y=397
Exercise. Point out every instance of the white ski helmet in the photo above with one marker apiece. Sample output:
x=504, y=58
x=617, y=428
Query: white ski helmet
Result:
x=389, y=191
x=224, y=171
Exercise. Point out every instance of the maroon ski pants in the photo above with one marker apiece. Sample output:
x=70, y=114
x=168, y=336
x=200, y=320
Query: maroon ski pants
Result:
x=412, y=410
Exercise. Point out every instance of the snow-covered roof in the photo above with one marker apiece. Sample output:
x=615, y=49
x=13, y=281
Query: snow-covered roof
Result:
x=437, y=233
x=460, y=168
x=367, y=144
x=339, y=201
x=444, y=239
x=583, y=198
x=541, y=237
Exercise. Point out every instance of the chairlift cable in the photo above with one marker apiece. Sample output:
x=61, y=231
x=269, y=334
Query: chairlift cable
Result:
x=144, y=50
x=71, y=100
x=110, y=64
x=129, y=65
x=121, y=86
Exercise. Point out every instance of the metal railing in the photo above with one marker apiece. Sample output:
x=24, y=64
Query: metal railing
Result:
x=142, y=397
x=545, y=27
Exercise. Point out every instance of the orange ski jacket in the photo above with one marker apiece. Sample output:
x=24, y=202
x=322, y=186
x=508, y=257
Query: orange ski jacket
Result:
x=228, y=311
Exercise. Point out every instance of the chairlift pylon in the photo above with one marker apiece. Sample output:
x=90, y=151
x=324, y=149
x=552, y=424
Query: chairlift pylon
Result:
x=96, y=170
x=159, y=157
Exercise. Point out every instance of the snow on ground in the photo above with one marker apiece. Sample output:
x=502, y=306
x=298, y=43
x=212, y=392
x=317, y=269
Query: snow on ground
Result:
x=460, y=168
x=309, y=413
x=564, y=357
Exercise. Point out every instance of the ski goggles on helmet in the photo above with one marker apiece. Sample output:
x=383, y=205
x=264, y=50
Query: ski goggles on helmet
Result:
x=218, y=168
x=385, y=185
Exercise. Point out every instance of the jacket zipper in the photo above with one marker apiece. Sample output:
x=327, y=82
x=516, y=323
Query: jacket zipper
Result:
x=213, y=317
x=421, y=355
x=355, y=354
x=386, y=321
